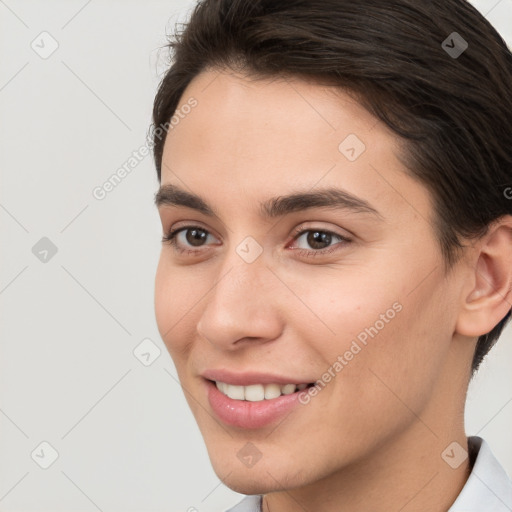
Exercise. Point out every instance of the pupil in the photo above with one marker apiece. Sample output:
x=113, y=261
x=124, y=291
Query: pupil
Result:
x=195, y=236
x=318, y=237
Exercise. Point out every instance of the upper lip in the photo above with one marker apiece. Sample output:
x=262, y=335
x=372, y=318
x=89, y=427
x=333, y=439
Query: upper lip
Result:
x=250, y=377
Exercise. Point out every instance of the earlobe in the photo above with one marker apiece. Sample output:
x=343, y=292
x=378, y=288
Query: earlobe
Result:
x=490, y=298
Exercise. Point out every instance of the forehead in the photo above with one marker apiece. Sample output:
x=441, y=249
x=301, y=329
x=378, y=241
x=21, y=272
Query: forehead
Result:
x=272, y=108
x=261, y=137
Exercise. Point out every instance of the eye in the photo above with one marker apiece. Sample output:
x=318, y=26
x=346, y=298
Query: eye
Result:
x=311, y=242
x=186, y=238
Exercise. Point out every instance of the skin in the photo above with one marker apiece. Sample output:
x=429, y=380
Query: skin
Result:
x=372, y=439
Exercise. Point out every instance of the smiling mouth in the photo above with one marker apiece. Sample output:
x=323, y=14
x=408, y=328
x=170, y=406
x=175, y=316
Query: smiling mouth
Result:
x=258, y=392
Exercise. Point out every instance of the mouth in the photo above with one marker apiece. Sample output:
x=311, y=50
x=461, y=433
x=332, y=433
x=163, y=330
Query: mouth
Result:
x=258, y=392
x=253, y=406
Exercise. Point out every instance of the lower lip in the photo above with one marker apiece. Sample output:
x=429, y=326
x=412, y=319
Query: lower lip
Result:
x=246, y=414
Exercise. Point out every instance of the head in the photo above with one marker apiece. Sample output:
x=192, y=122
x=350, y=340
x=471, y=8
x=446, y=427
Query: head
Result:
x=359, y=122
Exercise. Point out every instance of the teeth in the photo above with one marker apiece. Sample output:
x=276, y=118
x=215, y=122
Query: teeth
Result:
x=258, y=392
x=272, y=391
x=234, y=392
x=288, y=389
x=254, y=393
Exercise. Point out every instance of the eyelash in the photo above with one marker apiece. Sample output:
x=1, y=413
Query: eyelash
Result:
x=170, y=238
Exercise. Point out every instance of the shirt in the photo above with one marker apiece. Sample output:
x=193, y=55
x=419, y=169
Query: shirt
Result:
x=488, y=488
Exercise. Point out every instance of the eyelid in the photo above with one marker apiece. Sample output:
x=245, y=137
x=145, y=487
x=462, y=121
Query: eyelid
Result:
x=171, y=235
x=304, y=228
x=191, y=224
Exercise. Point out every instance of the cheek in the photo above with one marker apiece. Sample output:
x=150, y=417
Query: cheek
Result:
x=163, y=299
x=382, y=378
x=174, y=300
x=387, y=337
x=348, y=306
x=401, y=359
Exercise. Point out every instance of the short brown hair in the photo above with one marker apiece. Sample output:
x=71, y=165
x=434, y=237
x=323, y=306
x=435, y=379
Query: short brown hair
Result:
x=436, y=72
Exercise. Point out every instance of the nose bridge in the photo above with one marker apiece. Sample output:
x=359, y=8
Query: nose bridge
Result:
x=240, y=302
x=243, y=268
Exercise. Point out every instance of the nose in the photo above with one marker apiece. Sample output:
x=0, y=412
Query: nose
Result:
x=242, y=305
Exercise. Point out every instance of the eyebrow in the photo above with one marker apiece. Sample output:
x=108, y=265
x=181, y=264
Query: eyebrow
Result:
x=172, y=195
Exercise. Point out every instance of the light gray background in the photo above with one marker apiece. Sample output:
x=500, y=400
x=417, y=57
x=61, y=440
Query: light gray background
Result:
x=125, y=438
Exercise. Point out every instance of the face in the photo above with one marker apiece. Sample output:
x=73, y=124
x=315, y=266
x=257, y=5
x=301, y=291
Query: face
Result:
x=341, y=284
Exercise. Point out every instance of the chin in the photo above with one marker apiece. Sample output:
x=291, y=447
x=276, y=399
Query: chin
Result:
x=262, y=478
x=249, y=486
x=252, y=483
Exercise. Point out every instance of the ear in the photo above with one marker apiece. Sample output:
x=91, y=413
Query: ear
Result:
x=490, y=296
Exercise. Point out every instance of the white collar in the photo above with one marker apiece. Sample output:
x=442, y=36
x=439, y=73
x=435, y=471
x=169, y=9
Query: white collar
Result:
x=488, y=487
